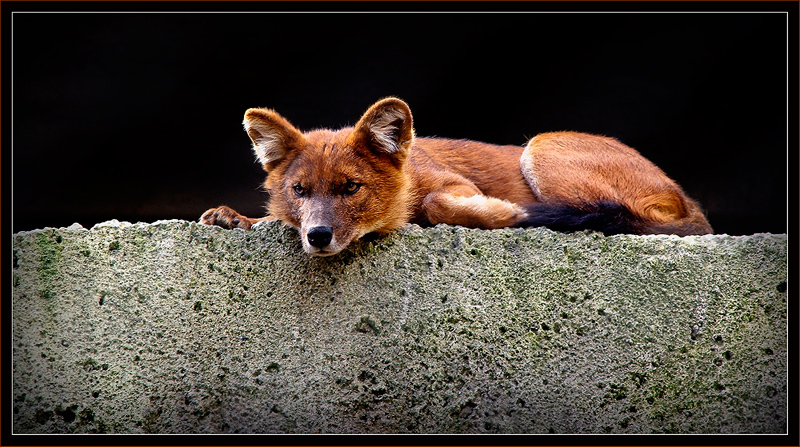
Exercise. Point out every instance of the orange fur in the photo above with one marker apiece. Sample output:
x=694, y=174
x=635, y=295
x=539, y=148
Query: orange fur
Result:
x=336, y=186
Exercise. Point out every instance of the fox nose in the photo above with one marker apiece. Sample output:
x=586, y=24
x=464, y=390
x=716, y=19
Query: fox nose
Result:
x=320, y=236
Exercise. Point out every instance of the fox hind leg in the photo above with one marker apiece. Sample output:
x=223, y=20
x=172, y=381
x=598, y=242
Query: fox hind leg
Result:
x=601, y=177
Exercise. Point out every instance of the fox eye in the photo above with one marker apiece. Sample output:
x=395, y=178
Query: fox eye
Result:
x=351, y=188
x=299, y=190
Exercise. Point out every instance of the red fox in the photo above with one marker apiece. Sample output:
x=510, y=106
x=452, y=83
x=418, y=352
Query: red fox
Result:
x=336, y=186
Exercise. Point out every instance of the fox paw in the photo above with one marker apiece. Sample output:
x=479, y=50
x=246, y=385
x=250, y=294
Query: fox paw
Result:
x=225, y=217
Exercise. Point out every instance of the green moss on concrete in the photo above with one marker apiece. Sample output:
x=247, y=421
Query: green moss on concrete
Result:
x=178, y=327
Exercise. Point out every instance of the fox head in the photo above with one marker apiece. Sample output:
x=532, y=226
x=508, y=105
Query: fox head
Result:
x=336, y=186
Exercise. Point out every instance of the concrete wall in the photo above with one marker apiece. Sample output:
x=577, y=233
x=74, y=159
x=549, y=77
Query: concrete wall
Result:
x=176, y=327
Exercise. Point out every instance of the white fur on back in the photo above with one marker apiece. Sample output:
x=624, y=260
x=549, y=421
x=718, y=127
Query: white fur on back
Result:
x=528, y=171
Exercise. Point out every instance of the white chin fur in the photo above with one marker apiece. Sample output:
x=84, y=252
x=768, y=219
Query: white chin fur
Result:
x=330, y=250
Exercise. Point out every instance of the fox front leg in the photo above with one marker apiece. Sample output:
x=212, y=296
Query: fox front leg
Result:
x=229, y=218
x=462, y=206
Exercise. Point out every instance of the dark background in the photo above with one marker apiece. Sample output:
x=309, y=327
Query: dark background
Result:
x=137, y=116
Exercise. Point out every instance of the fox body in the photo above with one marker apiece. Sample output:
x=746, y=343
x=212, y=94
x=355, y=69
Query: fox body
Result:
x=335, y=186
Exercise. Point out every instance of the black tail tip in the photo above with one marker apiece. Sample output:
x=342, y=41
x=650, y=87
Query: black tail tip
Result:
x=607, y=217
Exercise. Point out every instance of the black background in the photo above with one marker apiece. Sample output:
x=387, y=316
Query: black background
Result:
x=137, y=116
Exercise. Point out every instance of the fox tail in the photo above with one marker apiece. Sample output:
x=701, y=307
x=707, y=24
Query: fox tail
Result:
x=607, y=217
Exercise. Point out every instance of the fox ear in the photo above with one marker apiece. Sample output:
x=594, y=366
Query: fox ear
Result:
x=388, y=127
x=271, y=134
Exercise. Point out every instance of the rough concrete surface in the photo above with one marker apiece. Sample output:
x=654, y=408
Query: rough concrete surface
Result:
x=176, y=327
